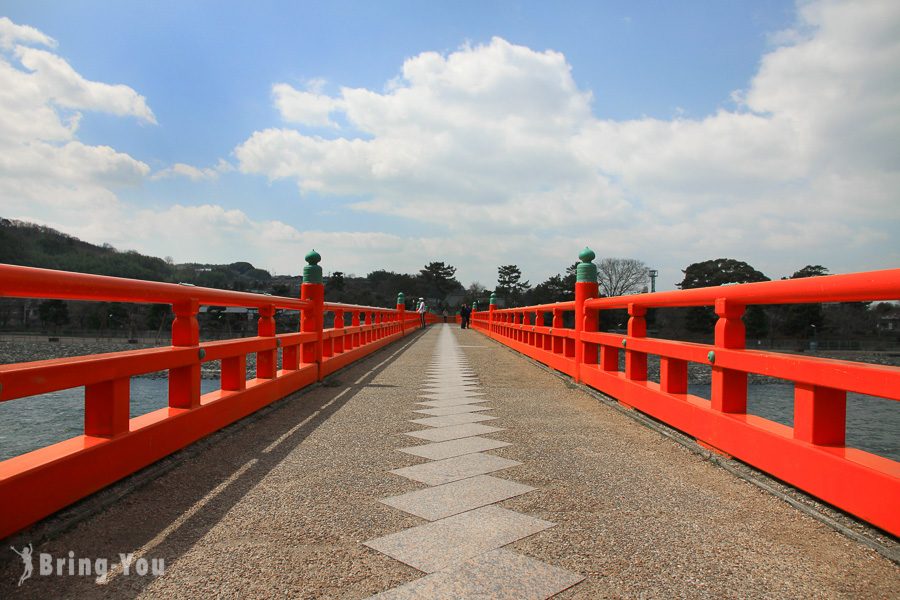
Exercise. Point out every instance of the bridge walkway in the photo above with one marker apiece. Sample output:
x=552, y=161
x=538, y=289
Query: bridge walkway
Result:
x=283, y=504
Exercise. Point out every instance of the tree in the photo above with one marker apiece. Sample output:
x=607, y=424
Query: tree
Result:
x=510, y=284
x=721, y=271
x=335, y=282
x=439, y=279
x=54, y=313
x=803, y=319
x=555, y=289
x=476, y=293
x=571, y=277
x=620, y=276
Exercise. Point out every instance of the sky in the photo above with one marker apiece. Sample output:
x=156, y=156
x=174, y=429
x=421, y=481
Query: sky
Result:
x=392, y=134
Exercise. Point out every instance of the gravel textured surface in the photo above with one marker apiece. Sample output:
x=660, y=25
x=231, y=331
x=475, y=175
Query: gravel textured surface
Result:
x=641, y=516
x=279, y=509
x=281, y=506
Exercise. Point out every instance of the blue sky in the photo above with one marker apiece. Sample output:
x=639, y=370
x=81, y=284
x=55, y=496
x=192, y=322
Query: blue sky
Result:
x=391, y=134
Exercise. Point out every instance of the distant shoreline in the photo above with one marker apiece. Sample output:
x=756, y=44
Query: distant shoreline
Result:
x=34, y=348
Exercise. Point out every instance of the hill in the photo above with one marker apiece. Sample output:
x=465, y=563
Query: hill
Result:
x=33, y=245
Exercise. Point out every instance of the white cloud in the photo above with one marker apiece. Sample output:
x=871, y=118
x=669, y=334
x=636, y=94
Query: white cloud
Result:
x=12, y=34
x=306, y=108
x=194, y=173
x=46, y=173
x=496, y=139
x=60, y=84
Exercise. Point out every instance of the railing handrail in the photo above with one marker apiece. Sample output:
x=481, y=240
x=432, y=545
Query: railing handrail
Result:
x=851, y=287
x=332, y=306
x=564, y=305
x=32, y=282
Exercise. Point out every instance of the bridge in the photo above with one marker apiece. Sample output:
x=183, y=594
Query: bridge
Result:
x=519, y=458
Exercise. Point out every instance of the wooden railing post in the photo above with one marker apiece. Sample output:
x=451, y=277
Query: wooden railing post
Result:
x=729, y=387
x=184, y=382
x=339, y=336
x=313, y=290
x=636, y=362
x=354, y=322
x=585, y=288
x=401, y=312
x=266, y=360
x=492, y=307
x=557, y=325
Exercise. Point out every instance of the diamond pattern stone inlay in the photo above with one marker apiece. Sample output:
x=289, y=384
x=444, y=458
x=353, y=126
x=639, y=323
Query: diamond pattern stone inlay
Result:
x=461, y=546
x=438, y=472
x=458, y=496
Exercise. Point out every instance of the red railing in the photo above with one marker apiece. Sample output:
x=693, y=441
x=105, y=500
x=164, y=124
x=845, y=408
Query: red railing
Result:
x=38, y=483
x=811, y=455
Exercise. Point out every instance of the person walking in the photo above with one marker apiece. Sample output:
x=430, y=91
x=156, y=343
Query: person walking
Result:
x=421, y=310
x=464, y=313
x=446, y=314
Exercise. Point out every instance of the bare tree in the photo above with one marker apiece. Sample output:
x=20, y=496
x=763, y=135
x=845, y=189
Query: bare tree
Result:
x=621, y=276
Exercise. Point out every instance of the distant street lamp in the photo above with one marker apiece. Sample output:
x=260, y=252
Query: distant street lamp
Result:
x=653, y=273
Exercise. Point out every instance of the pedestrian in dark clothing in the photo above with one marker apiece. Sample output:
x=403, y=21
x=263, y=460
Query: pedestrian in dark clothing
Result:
x=464, y=313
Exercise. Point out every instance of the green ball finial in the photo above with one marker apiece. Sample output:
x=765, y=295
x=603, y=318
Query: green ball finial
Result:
x=493, y=298
x=313, y=257
x=401, y=298
x=312, y=273
x=586, y=270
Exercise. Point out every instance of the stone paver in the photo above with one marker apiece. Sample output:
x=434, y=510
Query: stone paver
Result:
x=454, y=447
x=495, y=575
x=452, y=469
x=453, y=419
x=453, y=432
x=450, y=541
x=452, y=410
x=446, y=403
x=459, y=496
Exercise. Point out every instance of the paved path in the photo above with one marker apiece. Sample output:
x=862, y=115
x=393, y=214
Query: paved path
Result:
x=461, y=546
x=304, y=500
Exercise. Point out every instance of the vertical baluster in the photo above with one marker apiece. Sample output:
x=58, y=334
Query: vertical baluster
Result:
x=729, y=387
x=312, y=320
x=558, y=341
x=184, y=382
x=338, y=331
x=636, y=362
x=585, y=320
x=266, y=360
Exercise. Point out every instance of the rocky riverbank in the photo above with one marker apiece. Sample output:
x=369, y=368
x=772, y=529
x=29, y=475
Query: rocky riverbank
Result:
x=26, y=350
x=32, y=350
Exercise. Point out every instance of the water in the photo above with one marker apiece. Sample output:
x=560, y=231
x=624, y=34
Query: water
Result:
x=37, y=421
x=873, y=424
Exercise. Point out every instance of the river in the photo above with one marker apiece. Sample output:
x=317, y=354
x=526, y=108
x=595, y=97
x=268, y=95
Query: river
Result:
x=873, y=424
